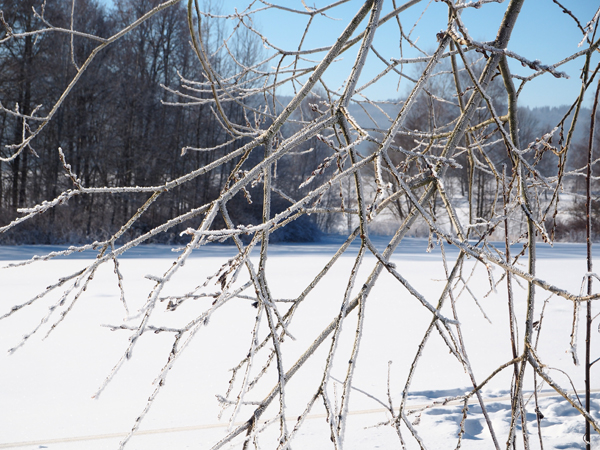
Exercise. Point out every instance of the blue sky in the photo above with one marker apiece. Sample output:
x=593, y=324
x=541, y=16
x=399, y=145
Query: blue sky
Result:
x=542, y=32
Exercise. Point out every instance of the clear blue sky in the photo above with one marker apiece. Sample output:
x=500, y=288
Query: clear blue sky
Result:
x=542, y=32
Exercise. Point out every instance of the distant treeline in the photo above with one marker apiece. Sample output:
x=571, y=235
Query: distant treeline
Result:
x=119, y=125
x=116, y=127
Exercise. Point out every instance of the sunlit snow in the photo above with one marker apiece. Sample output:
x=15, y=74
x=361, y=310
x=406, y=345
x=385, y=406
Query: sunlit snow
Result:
x=46, y=386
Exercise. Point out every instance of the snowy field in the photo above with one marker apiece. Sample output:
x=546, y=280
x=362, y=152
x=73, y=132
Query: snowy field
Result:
x=47, y=385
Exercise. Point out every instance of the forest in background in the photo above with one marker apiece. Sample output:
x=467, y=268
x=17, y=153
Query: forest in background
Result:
x=136, y=118
x=116, y=127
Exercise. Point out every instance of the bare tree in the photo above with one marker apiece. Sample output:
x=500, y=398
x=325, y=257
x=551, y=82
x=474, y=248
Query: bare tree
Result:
x=315, y=133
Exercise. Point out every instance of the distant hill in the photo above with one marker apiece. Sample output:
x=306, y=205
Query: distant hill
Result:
x=539, y=119
x=548, y=117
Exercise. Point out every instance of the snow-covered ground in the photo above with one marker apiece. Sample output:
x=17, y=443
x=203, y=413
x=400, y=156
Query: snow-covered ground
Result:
x=46, y=386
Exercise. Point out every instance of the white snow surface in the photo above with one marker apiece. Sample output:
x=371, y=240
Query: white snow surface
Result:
x=47, y=385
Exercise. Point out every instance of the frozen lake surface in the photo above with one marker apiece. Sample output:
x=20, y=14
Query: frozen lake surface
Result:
x=328, y=245
x=46, y=385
